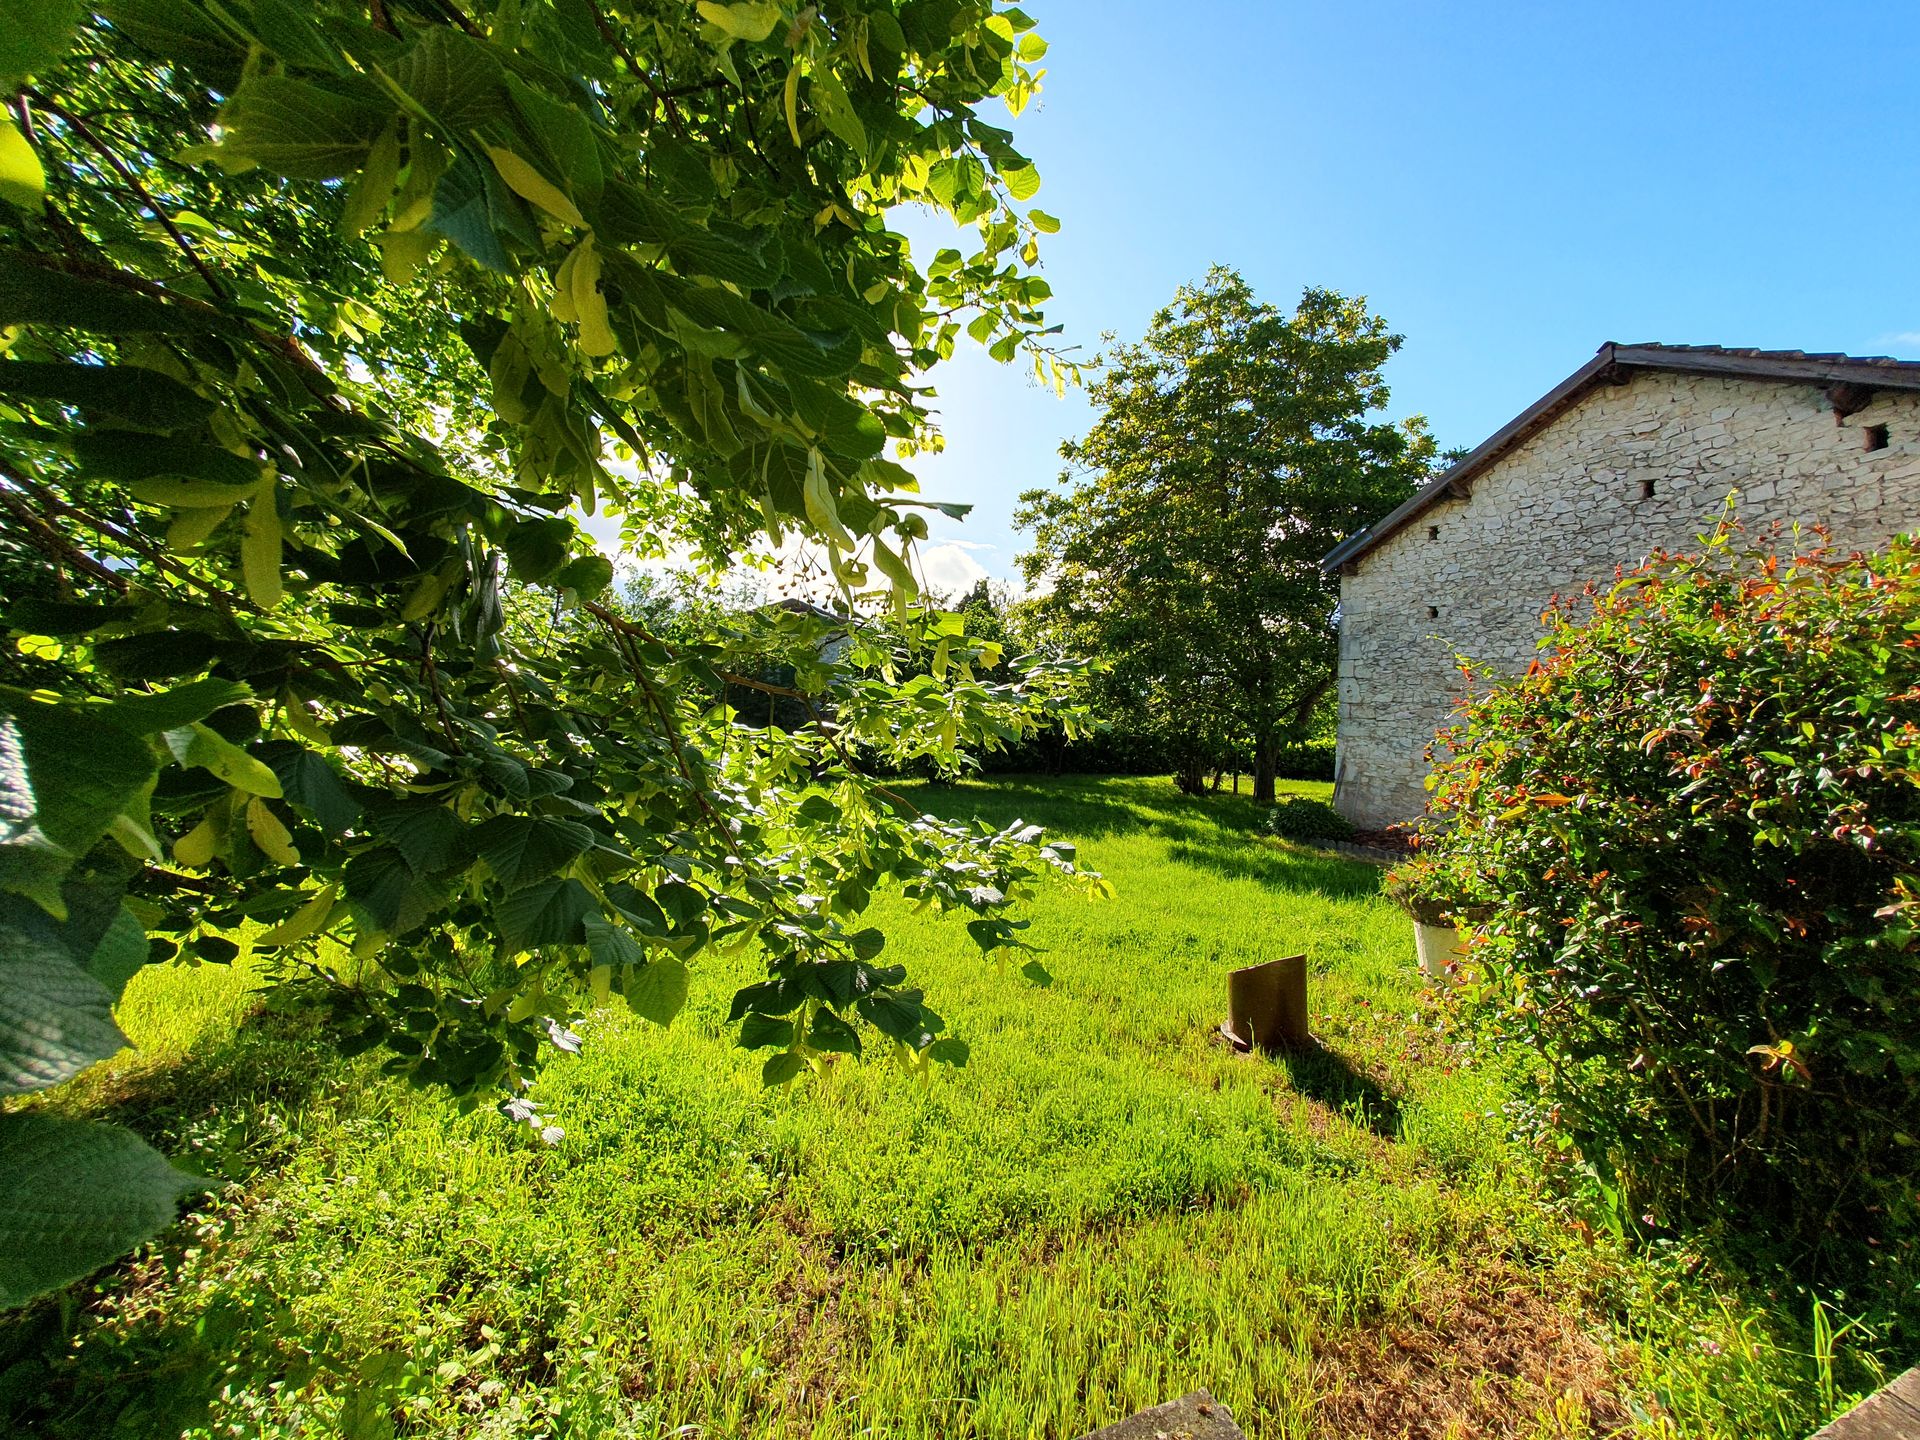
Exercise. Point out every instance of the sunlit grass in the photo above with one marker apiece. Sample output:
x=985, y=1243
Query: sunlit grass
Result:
x=1105, y=1209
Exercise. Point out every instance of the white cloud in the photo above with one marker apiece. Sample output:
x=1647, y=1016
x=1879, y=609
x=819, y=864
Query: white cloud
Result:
x=1906, y=339
x=965, y=544
x=948, y=568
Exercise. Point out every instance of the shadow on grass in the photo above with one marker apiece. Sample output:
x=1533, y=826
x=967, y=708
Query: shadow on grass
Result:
x=224, y=1112
x=1298, y=872
x=1329, y=1077
x=1089, y=807
x=75, y=1365
x=1084, y=809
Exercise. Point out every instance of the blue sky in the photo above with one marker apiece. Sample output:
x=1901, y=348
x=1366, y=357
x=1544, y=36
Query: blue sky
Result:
x=1509, y=184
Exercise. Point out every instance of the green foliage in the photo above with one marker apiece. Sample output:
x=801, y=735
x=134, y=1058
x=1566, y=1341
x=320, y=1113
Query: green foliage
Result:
x=324, y=325
x=1435, y=889
x=1233, y=450
x=1299, y=818
x=1309, y=760
x=1697, y=815
x=1034, y=1244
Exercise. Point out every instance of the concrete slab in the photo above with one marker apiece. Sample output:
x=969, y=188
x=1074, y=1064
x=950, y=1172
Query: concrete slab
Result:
x=1192, y=1417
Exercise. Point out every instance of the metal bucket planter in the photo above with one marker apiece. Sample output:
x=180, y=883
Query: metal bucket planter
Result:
x=1438, y=946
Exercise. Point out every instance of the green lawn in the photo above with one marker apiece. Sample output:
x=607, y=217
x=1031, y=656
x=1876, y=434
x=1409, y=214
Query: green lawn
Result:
x=1107, y=1208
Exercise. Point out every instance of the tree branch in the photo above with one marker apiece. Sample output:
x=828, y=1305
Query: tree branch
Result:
x=113, y=532
x=80, y=128
x=57, y=547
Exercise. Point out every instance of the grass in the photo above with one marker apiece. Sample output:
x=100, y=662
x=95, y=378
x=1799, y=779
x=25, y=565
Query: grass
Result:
x=1107, y=1208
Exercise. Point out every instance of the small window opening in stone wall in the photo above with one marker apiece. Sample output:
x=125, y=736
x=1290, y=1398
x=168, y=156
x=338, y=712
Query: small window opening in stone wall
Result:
x=1433, y=531
x=1876, y=437
x=1433, y=612
x=1646, y=489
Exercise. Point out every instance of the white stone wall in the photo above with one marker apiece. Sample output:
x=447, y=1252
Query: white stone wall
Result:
x=1563, y=509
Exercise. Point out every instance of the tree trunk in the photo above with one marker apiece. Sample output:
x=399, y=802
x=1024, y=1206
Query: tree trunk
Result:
x=1266, y=759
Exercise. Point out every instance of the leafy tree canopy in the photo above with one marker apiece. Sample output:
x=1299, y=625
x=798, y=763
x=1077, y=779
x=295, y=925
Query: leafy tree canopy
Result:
x=1237, y=445
x=322, y=326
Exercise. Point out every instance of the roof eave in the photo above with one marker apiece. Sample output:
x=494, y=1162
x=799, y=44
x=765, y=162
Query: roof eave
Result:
x=1875, y=373
x=1482, y=455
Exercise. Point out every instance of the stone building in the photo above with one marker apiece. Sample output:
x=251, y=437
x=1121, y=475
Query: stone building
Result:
x=1637, y=450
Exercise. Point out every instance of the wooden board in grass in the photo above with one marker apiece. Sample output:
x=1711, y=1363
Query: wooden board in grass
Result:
x=1267, y=1006
x=1889, y=1414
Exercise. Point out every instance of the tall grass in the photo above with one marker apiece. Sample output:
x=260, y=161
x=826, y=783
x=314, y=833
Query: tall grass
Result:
x=1106, y=1208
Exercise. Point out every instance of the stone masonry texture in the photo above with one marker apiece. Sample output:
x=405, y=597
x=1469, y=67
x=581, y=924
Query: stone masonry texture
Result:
x=1625, y=470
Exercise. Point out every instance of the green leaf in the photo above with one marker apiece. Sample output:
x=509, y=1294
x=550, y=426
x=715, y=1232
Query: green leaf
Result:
x=611, y=945
x=23, y=183
x=37, y=615
x=1037, y=973
x=260, y=548
x=144, y=398
x=126, y=456
x=121, y=953
x=657, y=990
x=548, y=914
x=567, y=139
x=431, y=837
x=1022, y=183
x=782, y=1067
x=35, y=33
x=744, y=21
x=175, y=31
x=39, y=294
x=171, y=709
x=758, y=1031
x=373, y=186
x=829, y=1032
x=647, y=918
x=454, y=78
x=521, y=849
x=817, y=809
x=157, y=654
x=587, y=576
x=383, y=888
x=463, y=212
x=682, y=902
x=301, y=128
x=312, y=784
x=867, y=943
x=530, y=185
x=64, y=778
x=55, y=1018
x=200, y=746
x=830, y=102
x=537, y=548
x=1043, y=222
x=949, y=1052
x=287, y=28
x=75, y=1196
x=898, y=1015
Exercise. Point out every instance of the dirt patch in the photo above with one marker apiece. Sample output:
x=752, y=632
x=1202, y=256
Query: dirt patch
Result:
x=809, y=1349
x=1486, y=1356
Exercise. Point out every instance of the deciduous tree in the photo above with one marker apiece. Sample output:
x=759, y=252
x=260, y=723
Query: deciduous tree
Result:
x=322, y=325
x=1236, y=446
